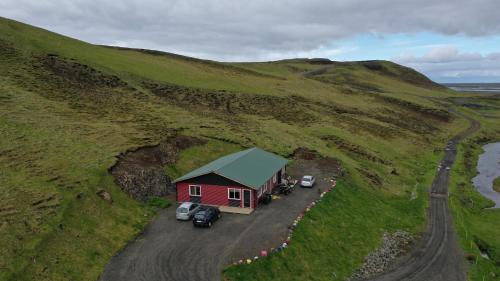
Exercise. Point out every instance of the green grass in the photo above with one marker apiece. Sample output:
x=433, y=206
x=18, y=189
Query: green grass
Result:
x=476, y=225
x=197, y=156
x=62, y=126
x=158, y=202
x=335, y=236
x=496, y=184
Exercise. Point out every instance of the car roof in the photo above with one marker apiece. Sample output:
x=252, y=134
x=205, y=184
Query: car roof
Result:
x=307, y=177
x=186, y=204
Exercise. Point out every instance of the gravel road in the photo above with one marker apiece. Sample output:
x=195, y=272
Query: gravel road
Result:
x=437, y=256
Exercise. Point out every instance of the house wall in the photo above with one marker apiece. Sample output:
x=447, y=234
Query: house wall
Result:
x=214, y=190
x=270, y=184
x=212, y=194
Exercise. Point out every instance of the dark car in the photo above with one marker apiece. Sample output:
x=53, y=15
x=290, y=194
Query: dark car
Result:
x=206, y=216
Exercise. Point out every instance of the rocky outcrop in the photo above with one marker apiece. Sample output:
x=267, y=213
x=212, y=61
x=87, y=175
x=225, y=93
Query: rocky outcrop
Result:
x=141, y=172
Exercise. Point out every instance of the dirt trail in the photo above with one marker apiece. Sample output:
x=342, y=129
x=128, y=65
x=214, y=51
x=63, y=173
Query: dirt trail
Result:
x=437, y=256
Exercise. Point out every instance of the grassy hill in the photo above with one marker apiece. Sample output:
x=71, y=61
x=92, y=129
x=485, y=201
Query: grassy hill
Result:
x=69, y=108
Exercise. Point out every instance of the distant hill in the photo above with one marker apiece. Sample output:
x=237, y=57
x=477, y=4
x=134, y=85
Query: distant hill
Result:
x=69, y=108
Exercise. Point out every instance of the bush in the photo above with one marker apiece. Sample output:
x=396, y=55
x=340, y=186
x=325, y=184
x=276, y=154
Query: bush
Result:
x=159, y=202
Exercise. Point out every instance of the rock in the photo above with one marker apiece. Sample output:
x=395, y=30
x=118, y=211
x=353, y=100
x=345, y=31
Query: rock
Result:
x=140, y=172
x=105, y=195
x=393, y=246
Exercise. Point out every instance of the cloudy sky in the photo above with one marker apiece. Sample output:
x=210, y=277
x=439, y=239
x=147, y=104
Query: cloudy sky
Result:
x=449, y=40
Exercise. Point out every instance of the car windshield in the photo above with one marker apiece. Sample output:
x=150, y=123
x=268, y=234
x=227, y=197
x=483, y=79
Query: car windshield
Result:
x=182, y=210
x=306, y=179
x=200, y=215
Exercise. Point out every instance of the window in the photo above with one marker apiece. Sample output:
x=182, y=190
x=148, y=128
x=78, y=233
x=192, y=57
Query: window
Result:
x=274, y=178
x=233, y=194
x=194, y=190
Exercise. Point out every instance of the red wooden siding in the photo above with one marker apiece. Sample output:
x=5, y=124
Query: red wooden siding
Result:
x=211, y=194
x=214, y=190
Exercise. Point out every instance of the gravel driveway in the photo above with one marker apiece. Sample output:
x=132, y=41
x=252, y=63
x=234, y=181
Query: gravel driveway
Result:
x=173, y=250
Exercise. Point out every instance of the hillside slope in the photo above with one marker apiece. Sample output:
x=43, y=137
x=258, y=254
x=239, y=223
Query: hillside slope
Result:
x=68, y=108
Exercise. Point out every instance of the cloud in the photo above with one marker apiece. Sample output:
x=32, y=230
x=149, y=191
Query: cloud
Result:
x=250, y=30
x=448, y=64
x=443, y=54
x=259, y=30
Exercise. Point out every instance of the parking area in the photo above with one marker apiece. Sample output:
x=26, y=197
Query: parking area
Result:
x=175, y=250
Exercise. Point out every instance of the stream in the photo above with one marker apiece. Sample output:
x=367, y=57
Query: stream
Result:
x=488, y=168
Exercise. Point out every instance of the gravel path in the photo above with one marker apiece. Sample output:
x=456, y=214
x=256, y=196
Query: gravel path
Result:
x=437, y=256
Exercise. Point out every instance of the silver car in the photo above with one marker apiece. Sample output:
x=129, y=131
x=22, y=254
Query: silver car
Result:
x=186, y=211
x=307, y=181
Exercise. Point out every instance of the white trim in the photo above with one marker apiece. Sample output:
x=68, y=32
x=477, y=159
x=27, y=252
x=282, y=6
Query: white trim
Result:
x=193, y=185
x=234, y=189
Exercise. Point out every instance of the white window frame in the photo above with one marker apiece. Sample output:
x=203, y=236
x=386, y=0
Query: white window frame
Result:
x=234, y=190
x=194, y=185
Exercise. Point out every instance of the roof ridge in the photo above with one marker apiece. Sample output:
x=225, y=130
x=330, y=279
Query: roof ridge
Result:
x=243, y=154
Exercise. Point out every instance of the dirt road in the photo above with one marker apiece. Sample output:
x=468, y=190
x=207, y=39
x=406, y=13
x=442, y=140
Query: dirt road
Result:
x=437, y=256
x=173, y=250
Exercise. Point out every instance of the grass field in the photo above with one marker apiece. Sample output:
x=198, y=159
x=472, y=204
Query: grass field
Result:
x=476, y=225
x=68, y=108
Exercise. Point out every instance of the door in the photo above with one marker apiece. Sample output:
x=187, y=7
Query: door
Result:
x=247, y=196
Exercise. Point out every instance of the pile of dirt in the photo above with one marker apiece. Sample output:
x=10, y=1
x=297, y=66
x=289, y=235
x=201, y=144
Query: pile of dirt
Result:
x=140, y=172
x=305, y=154
x=326, y=165
x=393, y=245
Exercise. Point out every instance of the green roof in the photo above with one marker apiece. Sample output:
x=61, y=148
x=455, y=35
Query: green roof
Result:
x=251, y=167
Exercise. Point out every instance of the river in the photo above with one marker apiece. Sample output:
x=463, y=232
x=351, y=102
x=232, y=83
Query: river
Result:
x=488, y=168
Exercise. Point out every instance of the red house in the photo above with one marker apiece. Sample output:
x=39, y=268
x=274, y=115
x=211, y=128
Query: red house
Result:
x=234, y=182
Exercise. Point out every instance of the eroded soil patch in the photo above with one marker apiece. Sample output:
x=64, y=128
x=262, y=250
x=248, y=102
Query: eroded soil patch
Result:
x=140, y=172
x=288, y=109
x=351, y=148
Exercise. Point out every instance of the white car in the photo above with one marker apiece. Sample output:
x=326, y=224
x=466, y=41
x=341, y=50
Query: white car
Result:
x=307, y=181
x=186, y=211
